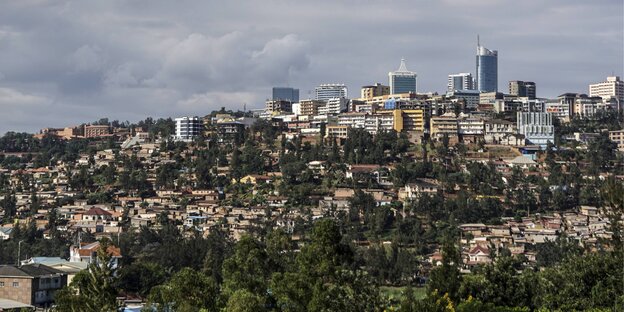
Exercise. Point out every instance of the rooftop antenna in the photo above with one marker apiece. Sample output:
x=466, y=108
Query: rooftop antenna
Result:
x=478, y=41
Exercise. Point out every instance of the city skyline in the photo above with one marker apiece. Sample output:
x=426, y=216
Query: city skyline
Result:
x=63, y=63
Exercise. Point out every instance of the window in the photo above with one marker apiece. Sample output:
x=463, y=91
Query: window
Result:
x=15, y=284
x=1, y=284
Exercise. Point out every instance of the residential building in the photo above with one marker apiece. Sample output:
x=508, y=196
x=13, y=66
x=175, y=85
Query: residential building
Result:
x=522, y=89
x=325, y=92
x=87, y=252
x=537, y=127
x=377, y=89
x=496, y=130
x=613, y=87
x=402, y=80
x=487, y=69
x=310, y=107
x=187, y=128
x=278, y=106
x=586, y=106
x=285, y=93
x=443, y=125
x=352, y=120
x=338, y=132
x=617, y=137
x=334, y=106
x=33, y=284
x=413, y=119
x=461, y=81
x=470, y=129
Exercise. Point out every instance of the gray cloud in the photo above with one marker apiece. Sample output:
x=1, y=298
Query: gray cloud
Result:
x=67, y=62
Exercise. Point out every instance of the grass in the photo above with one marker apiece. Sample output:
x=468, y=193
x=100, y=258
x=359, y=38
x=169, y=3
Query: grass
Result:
x=396, y=293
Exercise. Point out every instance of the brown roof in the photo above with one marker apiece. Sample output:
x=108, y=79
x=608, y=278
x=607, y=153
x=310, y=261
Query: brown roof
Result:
x=97, y=211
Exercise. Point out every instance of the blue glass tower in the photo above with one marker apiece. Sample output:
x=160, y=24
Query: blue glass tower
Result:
x=487, y=69
x=285, y=93
x=402, y=80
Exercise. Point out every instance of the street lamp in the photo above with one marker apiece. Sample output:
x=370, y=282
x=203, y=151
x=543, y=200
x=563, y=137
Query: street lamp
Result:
x=19, y=249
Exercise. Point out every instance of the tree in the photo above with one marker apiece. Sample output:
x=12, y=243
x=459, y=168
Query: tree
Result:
x=92, y=289
x=244, y=301
x=187, y=290
x=446, y=278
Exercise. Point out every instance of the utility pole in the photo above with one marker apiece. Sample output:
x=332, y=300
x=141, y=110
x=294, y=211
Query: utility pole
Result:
x=19, y=250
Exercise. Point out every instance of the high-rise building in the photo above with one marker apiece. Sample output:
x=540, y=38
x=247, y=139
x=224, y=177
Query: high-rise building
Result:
x=187, y=128
x=461, y=81
x=285, y=93
x=402, y=80
x=613, y=87
x=375, y=90
x=487, y=69
x=536, y=127
x=279, y=106
x=522, y=89
x=325, y=92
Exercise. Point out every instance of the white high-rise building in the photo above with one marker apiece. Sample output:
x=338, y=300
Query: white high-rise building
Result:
x=325, y=92
x=461, y=81
x=187, y=128
x=613, y=87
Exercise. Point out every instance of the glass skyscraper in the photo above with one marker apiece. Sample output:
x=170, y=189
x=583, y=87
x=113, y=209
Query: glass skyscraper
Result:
x=402, y=80
x=286, y=94
x=487, y=69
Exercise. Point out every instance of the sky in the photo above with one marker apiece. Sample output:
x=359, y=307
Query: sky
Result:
x=63, y=63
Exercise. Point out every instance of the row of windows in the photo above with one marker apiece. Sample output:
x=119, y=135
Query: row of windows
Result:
x=15, y=284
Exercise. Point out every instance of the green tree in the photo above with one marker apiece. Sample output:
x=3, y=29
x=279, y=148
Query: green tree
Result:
x=187, y=291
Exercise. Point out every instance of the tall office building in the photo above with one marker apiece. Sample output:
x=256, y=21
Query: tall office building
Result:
x=402, y=80
x=461, y=81
x=613, y=87
x=286, y=94
x=187, y=128
x=325, y=92
x=487, y=69
x=522, y=89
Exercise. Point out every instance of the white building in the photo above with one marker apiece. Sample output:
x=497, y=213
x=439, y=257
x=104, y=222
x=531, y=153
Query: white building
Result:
x=537, y=127
x=325, y=92
x=187, y=128
x=334, y=106
x=613, y=87
x=461, y=81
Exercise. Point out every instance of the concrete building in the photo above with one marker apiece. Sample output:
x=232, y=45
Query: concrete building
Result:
x=461, y=81
x=32, y=284
x=96, y=131
x=334, y=106
x=402, y=80
x=443, y=125
x=496, y=130
x=487, y=69
x=285, y=93
x=377, y=89
x=310, y=107
x=522, y=89
x=470, y=98
x=278, y=106
x=537, y=127
x=617, y=137
x=613, y=87
x=325, y=92
x=187, y=128
x=470, y=129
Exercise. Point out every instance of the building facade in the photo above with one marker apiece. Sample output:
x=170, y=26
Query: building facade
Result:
x=402, y=80
x=613, y=87
x=487, y=69
x=377, y=89
x=187, y=128
x=325, y=92
x=522, y=89
x=285, y=93
x=461, y=81
x=33, y=284
x=537, y=127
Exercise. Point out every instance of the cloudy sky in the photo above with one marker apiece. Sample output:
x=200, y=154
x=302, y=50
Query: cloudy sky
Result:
x=67, y=62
